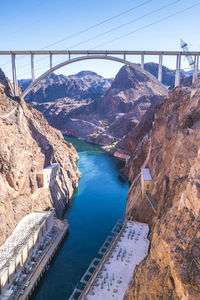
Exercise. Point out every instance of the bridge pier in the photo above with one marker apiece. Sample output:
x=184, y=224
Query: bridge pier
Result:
x=51, y=60
x=178, y=69
x=196, y=68
x=160, y=68
x=15, y=84
x=32, y=67
x=142, y=61
x=89, y=57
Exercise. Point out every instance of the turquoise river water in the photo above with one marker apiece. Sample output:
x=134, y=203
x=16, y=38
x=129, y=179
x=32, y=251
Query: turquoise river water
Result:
x=96, y=206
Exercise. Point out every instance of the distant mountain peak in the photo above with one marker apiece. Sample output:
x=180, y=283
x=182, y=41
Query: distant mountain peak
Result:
x=86, y=73
x=84, y=85
x=128, y=77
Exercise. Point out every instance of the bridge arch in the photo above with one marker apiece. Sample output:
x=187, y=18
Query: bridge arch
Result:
x=88, y=57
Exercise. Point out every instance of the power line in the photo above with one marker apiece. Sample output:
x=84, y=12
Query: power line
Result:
x=28, y=64
x=18, y=58
x=98, y=24
x=125, y=24
x=115, y=28
x=89, y=28
x=144, y=27
x=148, y=25
x=42, y=67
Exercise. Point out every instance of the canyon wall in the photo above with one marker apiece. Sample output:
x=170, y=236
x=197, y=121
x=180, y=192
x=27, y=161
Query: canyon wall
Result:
x=27, y=145
x=105, y=122
x=167, y=141
x=99, y=110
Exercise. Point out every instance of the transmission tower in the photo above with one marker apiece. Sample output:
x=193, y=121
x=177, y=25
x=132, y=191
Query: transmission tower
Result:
x=184, y=47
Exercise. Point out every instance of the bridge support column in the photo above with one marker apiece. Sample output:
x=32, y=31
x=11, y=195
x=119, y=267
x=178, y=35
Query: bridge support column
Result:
x=91, y=57
x=15, y=85
x=160, y=68
x=142, y=61
x=178, y=68
x=51, y=61
x=32, y=67
x=196, y=67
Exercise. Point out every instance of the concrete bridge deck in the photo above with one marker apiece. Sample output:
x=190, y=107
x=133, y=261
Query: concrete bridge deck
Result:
x=103, y=52
x=100, y=54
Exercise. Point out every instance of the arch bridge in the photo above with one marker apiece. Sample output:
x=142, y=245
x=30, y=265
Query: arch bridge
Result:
x=80, y=55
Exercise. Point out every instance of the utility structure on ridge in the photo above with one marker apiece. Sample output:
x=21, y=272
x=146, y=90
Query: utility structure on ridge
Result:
x=80, y=55
x=194, y=63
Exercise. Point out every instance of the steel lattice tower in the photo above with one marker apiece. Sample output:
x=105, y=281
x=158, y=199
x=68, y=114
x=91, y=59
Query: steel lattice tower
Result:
x=184, y=46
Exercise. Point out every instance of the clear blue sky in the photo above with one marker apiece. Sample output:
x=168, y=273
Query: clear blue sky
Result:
x=33, y=25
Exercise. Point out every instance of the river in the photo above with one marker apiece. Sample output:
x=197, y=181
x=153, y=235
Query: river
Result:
x=96, y=206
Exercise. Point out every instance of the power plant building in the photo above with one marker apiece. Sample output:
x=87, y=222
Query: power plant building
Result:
x=21, y=246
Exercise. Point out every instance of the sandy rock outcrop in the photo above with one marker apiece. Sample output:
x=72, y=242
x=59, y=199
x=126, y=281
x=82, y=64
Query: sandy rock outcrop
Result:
x=170, y=147
x=27, y=145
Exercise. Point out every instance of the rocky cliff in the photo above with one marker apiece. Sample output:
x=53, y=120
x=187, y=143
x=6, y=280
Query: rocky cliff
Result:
x=84, y=85
x=99, y=110
x=168, y=75
x=169, y=144
x=60, y=93
x=107, y=121
x=27, y=145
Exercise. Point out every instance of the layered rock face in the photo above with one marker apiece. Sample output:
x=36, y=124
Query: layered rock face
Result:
x=168, y=75
x=107, y=121
x=84, y=85
x=87, y=106
x=27, y=145
x=59, y=93
x=169, y=146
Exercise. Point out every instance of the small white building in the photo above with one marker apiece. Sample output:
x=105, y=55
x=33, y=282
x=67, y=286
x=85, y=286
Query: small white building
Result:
x=146, y=181
x=48, y=176
x=20, y=246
